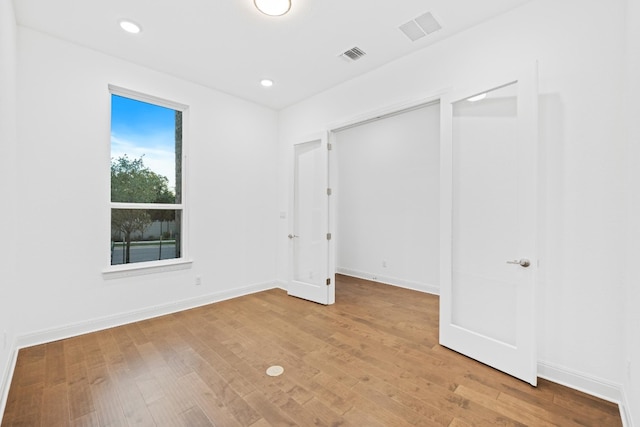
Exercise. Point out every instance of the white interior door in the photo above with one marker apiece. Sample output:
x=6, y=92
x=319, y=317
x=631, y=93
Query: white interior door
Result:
x=311, y=277
x=488, y=241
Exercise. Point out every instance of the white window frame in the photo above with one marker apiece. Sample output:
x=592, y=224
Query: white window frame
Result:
x=158, y=266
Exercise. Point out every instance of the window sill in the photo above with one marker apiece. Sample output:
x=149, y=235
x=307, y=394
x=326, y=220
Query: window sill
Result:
x=139, y=269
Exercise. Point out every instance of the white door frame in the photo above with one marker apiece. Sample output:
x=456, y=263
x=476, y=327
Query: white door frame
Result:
x=361, y=119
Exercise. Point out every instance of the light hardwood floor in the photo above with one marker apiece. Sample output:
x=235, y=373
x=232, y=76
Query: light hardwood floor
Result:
x=372, y=359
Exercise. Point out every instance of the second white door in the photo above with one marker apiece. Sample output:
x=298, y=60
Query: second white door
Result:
x=311, y=277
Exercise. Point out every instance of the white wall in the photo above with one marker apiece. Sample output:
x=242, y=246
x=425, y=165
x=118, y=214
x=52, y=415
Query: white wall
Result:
x=632, y=113
x=63, y=174
x=8, y=144
x=387, y=199
x=579, y=45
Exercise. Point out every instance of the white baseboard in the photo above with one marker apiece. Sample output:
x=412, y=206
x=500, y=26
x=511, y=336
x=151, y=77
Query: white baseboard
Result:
x=588, y=384
x=394, y=281
x=93, y=325
x=625, y=411
x=5, y=379
x=580, y=381
x=281, y=285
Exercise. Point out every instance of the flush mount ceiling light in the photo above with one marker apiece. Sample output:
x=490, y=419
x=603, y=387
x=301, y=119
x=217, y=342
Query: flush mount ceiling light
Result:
x=273, y=7
x=266, y=82
x=130, y=27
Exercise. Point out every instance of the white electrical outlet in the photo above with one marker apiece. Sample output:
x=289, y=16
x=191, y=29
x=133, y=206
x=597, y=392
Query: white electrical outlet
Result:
x=384, y=263
x=198, y=280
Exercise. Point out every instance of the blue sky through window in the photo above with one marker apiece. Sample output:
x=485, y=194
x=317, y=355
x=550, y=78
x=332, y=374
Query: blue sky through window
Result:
x=142, y=129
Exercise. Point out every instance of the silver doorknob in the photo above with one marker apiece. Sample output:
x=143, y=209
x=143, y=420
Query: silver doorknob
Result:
x=523, y=262
x=291, y=236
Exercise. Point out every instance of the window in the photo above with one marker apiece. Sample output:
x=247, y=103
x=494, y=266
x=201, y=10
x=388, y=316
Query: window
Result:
x=147, y=200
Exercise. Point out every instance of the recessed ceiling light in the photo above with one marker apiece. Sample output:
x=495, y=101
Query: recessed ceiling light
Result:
x=273, y=7
x=477, y=97
x=130, y=27
x=266, y=82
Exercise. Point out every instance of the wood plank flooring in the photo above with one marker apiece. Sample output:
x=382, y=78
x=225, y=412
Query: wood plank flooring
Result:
x=372, y=359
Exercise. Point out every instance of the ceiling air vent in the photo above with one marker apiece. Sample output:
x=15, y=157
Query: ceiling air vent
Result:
x=420, y=26
x=353, y=54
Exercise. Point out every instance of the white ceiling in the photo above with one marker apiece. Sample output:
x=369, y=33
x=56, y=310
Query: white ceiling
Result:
x=228, y=45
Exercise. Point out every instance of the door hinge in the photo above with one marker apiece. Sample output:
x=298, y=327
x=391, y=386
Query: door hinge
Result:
x=328, y=191
x=329, y=146
x=328, y=282
x=328, y=236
